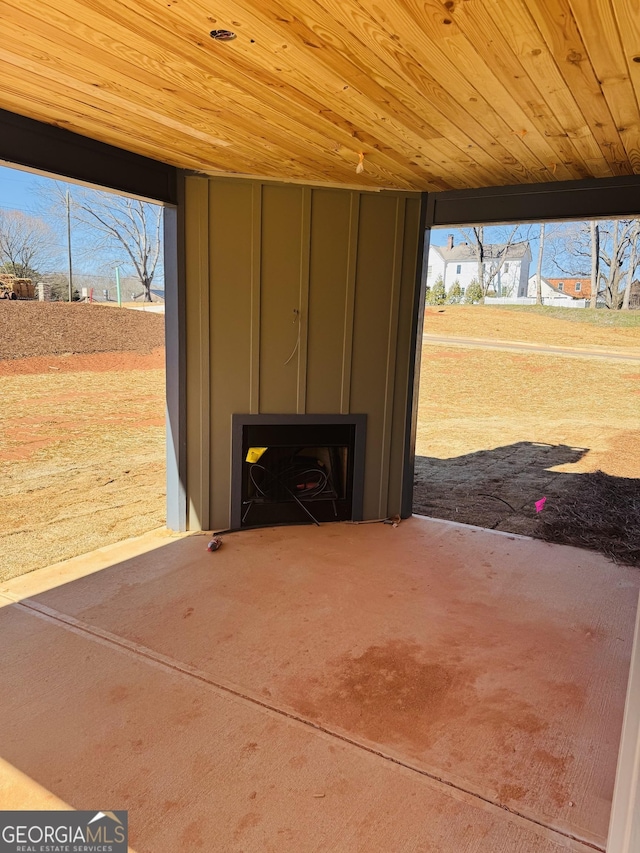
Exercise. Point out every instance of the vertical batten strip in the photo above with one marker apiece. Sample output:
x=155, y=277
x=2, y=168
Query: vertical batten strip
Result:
x=303, y=316
x=392, y=341
x=415, y=359
x=349, y=308
x=256, y=282
x=198, y=337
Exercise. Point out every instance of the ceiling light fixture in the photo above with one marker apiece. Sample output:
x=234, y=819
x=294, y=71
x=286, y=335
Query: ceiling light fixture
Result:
x=222, y=35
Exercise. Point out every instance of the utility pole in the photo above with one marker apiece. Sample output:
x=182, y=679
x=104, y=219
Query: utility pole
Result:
x=118, y=287
x=68, y=203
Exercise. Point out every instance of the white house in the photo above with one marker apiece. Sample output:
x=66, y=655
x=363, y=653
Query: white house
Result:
x=553, y=296
x=460, y=263
x=548, y=292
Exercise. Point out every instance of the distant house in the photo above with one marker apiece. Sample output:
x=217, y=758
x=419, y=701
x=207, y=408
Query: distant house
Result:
x=460, y=263
x=548, y=292
x=578, y=288
x=553, y=293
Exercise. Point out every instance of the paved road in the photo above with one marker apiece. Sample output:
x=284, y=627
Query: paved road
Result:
x=543, y=349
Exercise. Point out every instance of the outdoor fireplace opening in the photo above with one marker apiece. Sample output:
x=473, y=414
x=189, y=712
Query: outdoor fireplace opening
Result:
x=293, y=469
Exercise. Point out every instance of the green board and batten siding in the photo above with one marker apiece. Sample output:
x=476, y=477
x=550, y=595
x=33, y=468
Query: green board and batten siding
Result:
x=299, y=301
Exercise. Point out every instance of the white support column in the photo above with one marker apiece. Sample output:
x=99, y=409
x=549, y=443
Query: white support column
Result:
x=175, y=347
x=624, y=826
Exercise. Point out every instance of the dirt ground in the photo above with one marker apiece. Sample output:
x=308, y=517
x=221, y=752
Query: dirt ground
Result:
x=497, y=431
x=569, y=327
x=82, y=457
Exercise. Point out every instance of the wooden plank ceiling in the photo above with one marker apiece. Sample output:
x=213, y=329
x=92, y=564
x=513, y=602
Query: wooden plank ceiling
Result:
x=435, y=95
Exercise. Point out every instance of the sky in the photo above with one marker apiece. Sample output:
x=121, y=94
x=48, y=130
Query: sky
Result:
x=18, y=188
x=21, y=190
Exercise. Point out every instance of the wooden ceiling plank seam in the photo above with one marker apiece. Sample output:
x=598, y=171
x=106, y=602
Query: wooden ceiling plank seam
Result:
x=461, y=54
x=172, y=36
x=385, y=173
x=45, y=84
x=391, y=89
x=536, y=58
x=45, y=112
x=134, y=106
x=412, y=69
x=403, y=134
x=475, y=21
x=385, y=176
x=626, y=15
x=563, y=38
x=404, y=35
x=448, y=152
x=595, y=18
x=415, y=170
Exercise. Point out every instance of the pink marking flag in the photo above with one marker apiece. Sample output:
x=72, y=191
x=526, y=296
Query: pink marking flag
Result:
x=540, y=504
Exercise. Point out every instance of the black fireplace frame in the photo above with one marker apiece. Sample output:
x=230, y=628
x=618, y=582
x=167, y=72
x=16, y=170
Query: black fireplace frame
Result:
x=239, y=421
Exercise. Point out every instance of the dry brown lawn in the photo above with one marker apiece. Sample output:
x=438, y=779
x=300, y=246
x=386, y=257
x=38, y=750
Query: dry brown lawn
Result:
x=81, y=464
x=498, y=427
x=82, y=424
x=570, y=327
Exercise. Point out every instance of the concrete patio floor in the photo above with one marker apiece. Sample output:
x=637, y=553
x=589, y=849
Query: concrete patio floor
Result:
x=427, y=688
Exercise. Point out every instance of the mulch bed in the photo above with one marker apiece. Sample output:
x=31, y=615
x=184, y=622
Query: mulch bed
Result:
x=601, y=513
x=31, y=329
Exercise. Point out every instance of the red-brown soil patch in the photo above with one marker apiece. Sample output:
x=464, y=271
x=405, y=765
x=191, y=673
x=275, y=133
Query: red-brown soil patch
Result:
x=92, y=362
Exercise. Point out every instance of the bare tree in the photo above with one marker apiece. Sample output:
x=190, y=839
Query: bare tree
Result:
x=490, y=261
x=117, y=226
x=603, y=248
x=27, y=244
x=632, y=264
x=614, y=256
x=539, y=270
